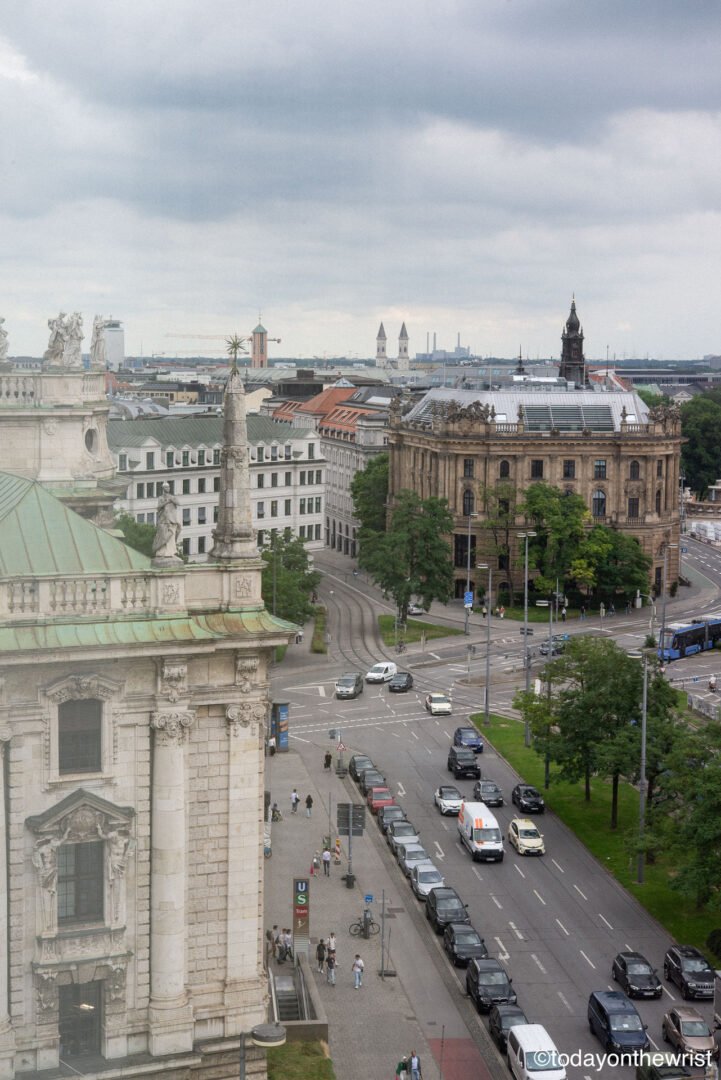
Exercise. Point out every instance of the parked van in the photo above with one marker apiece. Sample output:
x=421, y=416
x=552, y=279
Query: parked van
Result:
x=614, y=1020
x=382, y=671
x=532, y=1054
x=479, y=831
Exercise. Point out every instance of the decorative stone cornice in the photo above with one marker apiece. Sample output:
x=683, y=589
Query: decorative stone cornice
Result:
x=245, y=715
x=170, y=726
x=79, y=687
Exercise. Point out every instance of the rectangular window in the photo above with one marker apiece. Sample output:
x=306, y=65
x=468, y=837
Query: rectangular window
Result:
x=122, y=462
x=288, y=507
x=186, y=516
x=169, y=459
x=150, y=461
x=317, y=505
x=79, y=736
x=301, y=532
x=288, y=479
x=311, y=450
x=186, y=546
x=216, y=457
x=659, y=468
x=201, y=485
x=216, y=483
x=202, y=515
x=140, y=491
x=274, y=508
x=201, y=457
x=274, y=453
x=80, y=1019
x=569, y=470
x=317, y=532
x=260, y=510
x=536, y=469
x=150, y=491
x=319, y=476
x=261, y=537
x=201, y=545
x=81, y=882
x=261, y=480
x=186, y=458
x=287, y=451
x=468, y=467
x=171, y=486
x=633, y=508
x=260, y=454
x=301, y=508
x=150, y=519
x=274, y=479
x=599, y=469
x=215, y=513
x=186, y=487
x=140, y=519
x=302, y=477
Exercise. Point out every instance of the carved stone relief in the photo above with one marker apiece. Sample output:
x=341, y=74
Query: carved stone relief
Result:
x=174, y=680
x=80, y=687
x=245, y=668
x=243, y=587
x=171, y=726
x=245, y=715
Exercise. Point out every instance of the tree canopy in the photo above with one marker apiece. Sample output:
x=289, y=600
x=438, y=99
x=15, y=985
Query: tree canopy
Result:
x=559, y=522
x=136, y=535
x=369, y=490
x=701, y=453
x=288, y=582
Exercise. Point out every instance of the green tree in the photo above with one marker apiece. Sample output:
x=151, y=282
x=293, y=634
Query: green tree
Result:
x=136, y=535
x=648, y=397
x=499, y=515
x=288, y=583
x=412, y=558
x=616, y=561
x=369, y=491
x=559, y=521
x=701, y=452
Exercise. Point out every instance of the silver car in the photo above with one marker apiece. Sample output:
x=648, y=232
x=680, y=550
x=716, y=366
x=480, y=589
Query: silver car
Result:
x=402, y=832
x=424, y=877
x=410, y=855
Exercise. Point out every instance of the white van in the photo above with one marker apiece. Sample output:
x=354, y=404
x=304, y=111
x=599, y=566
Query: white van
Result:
x=479, y=831
x=532, y=1054
x=382, y=672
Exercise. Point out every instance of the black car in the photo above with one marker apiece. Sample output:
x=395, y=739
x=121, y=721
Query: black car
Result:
x=358, y=763
x=463, y=943
x=488, y=792
x=388, y=814
x=371, y=778
x=528, y=799
x=488, y=984
x=462, y=762
x=501, y=1019
x=400, y=682
x=636, y=976
x=690, y=970
x=444, y=906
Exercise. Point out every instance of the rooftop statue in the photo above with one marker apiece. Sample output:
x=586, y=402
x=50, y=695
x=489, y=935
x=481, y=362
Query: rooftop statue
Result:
x=3, y=341
x=98, y=351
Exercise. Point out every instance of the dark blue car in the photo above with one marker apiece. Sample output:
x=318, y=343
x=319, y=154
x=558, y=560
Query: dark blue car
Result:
x=468, y=737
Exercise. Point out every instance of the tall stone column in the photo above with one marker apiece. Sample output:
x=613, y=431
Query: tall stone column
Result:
x=7, y=1036
x=171, y=1020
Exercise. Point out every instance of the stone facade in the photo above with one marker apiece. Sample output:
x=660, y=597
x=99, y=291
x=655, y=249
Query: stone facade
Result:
x=349, y=439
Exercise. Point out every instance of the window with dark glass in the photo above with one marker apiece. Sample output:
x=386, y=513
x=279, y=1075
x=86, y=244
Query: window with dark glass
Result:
x=288, y=479
x=503, y=561
x=659, y=468
x=274, y=508
x=302, y=478
x=536, y=469
x=504, y=470
x=80, y=882
x=261, y=480
x=215, y=512
x=186, y=458
x=599, y=469
x=274, y=453
x=202, y=515
x=150, y=491
x=468, y=467
x=169, y=459
x=186, y=516
x=261, y=509
x=216, y=483
x=122, y=462
x=634, y=471
x=633, y=508
x=274, y=479
x=150, y=461
x=467, y=503
x=186, y=546
x=658, y=502
x=140, y=491
x=311, y=450
x=80, y=736
x=301, y=508
x=288, y=508
x=318, y=505
x=80, y=1019
x=504, y=506
x=598, y=504
x=319, y=476
x=216, y=457
x=201, y=485
x=186, y=487
x=261, y=537
x=288, y=450
x=201, y=545
x=201, y=457
x=569, y=470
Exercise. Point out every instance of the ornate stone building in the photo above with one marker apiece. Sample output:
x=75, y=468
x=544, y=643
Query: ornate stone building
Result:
x=133, y=700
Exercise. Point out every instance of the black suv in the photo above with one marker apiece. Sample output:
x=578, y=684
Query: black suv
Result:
x=462, y=762
x=401, y=682
x=358, y=763
x=387, y=814
x=488, y=792
x=528, y=799
x=636, y=976
x=501, y=1019
x=488, y=984
x=690, y=970
x=444, y=906
x=462, y=943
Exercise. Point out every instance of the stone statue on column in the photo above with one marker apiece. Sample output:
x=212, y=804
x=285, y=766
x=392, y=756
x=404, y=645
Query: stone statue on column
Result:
x=167, y=529
x=98, y=351
x=3, y=342
x=45, y=861
x=117, y=851
x=53, y=355
x=72, y=355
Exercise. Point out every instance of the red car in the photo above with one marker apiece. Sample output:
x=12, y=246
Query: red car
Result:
x=378, y=797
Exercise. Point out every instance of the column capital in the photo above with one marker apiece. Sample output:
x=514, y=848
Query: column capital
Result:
x=247, y=714
x=170, y=725
x=5, y=736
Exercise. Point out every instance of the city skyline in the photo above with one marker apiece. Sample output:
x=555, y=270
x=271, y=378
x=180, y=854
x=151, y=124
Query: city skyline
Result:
x=464, y=170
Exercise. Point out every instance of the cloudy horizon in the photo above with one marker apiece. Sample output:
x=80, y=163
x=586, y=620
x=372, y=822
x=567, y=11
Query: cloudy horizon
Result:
x=463, y=167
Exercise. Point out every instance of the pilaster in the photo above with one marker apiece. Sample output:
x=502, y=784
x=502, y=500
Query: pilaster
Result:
x=7, y=1035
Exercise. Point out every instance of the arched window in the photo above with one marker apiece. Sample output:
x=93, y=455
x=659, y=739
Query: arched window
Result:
x=467, y=503
x=634, y=472
x=658, y=502
x=598, y=505
x=504, y=470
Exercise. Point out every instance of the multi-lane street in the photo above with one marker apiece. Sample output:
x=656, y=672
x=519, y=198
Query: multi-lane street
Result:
x=557, y=921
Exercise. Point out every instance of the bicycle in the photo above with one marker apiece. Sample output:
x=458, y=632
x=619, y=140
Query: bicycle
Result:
x=400, y=647
x=365, y=926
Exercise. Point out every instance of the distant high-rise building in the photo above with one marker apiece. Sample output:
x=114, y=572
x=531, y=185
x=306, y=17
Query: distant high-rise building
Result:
x=259, y=353
x=114, y=343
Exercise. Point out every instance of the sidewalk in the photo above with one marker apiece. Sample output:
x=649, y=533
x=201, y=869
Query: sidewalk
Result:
x=369, y=1029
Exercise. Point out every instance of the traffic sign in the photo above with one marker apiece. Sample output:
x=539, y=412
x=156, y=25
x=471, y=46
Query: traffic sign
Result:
x=468, y=599
x=340, y=747
x=523, y=630
x=684, y=551
x=368, y=898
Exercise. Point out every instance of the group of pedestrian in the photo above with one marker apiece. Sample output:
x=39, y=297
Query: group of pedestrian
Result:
x=325, y=954
x=319, y=859
x=279, y=944
x=409, y=1067
x=295, y=800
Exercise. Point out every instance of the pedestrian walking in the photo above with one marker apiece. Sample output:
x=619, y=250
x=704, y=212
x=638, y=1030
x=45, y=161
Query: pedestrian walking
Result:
x=325, y=857
x=315, y=864
x=415, y=1064
x=309, y=806
x=330, y=963
x=288, y=942
x=276, y=941
x=502, y=611
x=327, y=760
x=564, y=613
x=331, y=942
x=270, y=943
x=320, y=952
x=357, y=969
x=294, y=800
x=583, y=611
x=271, y=745
x=602, y=611
x=402, y=1069
x=484, y=611
x=628, y=607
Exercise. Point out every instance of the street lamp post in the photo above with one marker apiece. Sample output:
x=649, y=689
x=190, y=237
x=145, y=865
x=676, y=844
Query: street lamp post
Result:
x=549, y=605
x=466, y=629
x=641, y=865
x=263, y=1035
x=663, y=603
x=489, y=608
x=526, y=659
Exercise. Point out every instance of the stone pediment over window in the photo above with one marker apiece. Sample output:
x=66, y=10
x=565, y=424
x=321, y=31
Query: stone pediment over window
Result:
x=82, y=687
x=83, y=815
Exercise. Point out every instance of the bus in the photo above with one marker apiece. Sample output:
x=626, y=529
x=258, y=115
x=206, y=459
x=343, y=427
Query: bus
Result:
x=684, y=639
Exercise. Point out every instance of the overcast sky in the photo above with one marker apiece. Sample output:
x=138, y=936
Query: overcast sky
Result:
x=464, y=166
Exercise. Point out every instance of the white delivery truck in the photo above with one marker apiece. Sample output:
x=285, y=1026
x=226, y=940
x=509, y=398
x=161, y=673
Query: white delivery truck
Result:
x=479, y=831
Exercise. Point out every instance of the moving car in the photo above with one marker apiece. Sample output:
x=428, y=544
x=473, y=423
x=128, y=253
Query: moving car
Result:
x=468, y=737
x=690, y=970
x=444, y=906
x=462, y=762
x=488, y=984
x=528, y=799
x=358, y=763
x=438, y=705
x=635, y=975
x=378, y=797
x=389, y=814
x=488, y=792
x=448, y=799
x=371, y=778
x=614, y=1020
x=401, y=832
x=383, y=671
x=688, y=1032
x=525, y=837
x=500, y=1021
x=532, y=1054
x=463, y=943
x=401, y=682
x=410, y=855
x=556, y=647
x=480, y=833
x=416, y=609
x=349, y=685
x=424, y=877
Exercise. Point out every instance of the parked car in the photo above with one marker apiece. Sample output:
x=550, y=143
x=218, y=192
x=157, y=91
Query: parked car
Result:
x=448, y=799
x=528, y=799
x=690, y=970
x=358, y=764
x=500, y=1021
x=635, y=975
x=462, y=943
x=659, y=1066
x=488, y=792
x=614, y=1020
x=410, y=855
x=532, y=1054
x=383, y=671
x=444, y=906
x=371, y=778
x=462, y=763
x=488, y=984
x=468, y=737
x=388, y=814
x=400, y=683
x=349, y=685
x=416, y=609
x=424, y=877
x=401, y=831
x=438, y=705
x=687, y=1031
x=378, y=797
x=525, y=837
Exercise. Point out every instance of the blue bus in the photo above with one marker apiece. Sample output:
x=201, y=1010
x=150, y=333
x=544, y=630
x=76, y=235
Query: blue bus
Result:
x=684, y=639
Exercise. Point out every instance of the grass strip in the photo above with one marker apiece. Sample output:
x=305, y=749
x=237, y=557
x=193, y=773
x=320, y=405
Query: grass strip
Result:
x=318, y=641
x=300, y=1061
x=414, y=630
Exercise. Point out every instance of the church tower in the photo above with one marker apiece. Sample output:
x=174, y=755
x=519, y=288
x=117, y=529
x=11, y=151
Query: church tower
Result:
x=381, y=358
x=403, y=358
x=259, y=351
x=573, y=363
x=233, y=537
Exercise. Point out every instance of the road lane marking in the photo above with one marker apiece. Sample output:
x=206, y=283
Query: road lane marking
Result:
x=605, y=920
x=535, y=959
x=446, y=734
x=654, y=1044
x=496, y=902
x=504, y=954
x=428, y=750
x=401, y=789
x=519, y=870
x=321, y=691
x=516, y=931
x=588, y=961
x=540, y=897
x=298, y=738
x=563, y=927
x=565, y=1002
x=477, y=872
x=414, y=734
x=439, y=849
x=669, y=993
x=627, y=947
x=557, y=866
x=580, y=893
x=395, y=734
